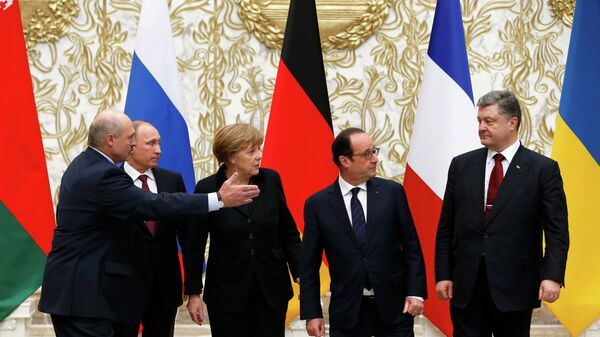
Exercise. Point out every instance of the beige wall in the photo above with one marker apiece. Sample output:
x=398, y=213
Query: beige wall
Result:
x=228, y=74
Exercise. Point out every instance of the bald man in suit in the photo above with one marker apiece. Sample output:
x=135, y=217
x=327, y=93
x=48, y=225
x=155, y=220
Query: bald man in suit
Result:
x=91, y=279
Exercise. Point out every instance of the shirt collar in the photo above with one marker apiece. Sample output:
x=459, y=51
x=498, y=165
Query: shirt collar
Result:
x=345, y=186
x=103, y=154
x=134, y=174
x=508, y=153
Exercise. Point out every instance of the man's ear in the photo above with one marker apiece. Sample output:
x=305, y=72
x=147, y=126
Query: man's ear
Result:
x=513, y=122
x=110, y=139
x=344, y=161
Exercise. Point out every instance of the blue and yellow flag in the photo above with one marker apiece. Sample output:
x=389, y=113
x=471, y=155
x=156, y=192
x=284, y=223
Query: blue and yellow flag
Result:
x=577, y=149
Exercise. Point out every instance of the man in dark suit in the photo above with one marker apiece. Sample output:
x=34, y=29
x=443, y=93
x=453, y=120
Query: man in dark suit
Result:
x=155, y=242
x=500, y=201
x=90, y=279
x=375, y=261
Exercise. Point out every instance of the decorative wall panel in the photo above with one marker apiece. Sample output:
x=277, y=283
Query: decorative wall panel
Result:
x=80, y=55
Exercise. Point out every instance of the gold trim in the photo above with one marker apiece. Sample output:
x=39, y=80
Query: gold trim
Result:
x=46, y=20
x=563, y=9
x=339, y=29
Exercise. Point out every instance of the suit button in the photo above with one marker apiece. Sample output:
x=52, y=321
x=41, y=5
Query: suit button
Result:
x=249, y=220
x=251, y=251
x=251, y=236
x=485, y=235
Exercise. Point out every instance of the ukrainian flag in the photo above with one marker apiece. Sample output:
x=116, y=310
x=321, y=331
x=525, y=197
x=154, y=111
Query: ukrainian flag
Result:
x=577, y=149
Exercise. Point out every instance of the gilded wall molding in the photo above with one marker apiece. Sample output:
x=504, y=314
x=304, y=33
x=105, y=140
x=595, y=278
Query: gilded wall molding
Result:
x=343, y=24
x=228, y=73
x=563, y=9
x=46, y=20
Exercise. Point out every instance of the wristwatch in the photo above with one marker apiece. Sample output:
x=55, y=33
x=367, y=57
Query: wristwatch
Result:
x=221, y=203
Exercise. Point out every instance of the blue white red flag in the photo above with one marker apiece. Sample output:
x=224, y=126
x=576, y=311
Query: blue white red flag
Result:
x=445, y=126
x=155, y=94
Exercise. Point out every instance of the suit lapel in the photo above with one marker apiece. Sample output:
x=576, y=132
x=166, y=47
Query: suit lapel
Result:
x=260, y=181
x=373, y=204
x=512, y=179
x=161, y=184
x=339, y=209
x=476, y=172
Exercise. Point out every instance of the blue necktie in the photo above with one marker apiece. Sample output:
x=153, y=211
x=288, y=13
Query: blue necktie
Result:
x=360, y=226
x=358, y=216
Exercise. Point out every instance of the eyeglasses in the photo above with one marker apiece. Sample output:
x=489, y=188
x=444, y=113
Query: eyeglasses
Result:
x=368, y=154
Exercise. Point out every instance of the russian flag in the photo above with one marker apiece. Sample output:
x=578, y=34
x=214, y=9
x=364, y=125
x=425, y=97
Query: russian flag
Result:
x=154, y=92
x=445, y=126
x=576, y=147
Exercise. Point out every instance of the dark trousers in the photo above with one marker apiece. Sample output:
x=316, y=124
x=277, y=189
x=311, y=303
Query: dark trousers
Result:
x=481, y=318
x=158, y=319
x=258, y=319
x=369, y=324
x=68, y=326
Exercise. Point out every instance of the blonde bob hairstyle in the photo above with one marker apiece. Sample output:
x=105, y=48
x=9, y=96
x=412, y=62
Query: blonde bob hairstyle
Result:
x=233, y=138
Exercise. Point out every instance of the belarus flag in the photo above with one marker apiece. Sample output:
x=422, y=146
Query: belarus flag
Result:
x=26, y=212
x=154, y=93
x=445, y=126
x=299, y=133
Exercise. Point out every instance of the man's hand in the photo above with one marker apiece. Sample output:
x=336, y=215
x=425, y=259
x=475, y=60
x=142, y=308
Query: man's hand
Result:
x=315, y=327
x=443, y=289
x=233, y=194
x=413, y=306
x=196, y=309
x=549, y=291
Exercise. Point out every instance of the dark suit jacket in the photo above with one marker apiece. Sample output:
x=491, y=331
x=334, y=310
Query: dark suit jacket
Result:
x=392, y=256
x=158, y=254
x=529, y=203
x=91, y=269
x=258, y=241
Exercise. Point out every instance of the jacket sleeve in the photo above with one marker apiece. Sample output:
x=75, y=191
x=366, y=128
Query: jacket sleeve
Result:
x=288, y=233
x=310, y=263
x=416, y=281
x=193, y=256
x=555, y=222
x=445, y=231
x=120, y=198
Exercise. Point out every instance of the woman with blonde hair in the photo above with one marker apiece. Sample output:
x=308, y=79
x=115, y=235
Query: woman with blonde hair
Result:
x=253, y=248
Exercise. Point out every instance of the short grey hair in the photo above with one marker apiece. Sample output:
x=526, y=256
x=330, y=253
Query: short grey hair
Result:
x=508, y=105
x=105, y=122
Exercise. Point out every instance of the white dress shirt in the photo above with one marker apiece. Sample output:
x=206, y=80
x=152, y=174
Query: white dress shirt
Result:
x=135, y=175
x=508, y=154
x=346, y=189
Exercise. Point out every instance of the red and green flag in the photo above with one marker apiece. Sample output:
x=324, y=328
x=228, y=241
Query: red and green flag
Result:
x=26, y=211
x=299, y=133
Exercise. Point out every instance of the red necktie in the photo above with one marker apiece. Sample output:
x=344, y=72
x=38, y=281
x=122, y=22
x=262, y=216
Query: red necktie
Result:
x=151, y=224
x=495, y=181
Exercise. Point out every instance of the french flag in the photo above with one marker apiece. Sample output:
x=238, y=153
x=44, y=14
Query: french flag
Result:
x=445, y=126
x=154, y=92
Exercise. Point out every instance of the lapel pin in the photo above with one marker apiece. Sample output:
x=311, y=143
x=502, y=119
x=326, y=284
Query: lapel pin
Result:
x=518, y=167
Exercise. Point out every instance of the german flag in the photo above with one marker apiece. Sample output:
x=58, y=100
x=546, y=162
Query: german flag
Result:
x=26, y=213
x=299, y=133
